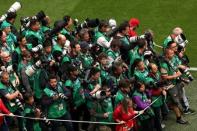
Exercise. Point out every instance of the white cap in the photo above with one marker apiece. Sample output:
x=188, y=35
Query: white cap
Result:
x=112, y=23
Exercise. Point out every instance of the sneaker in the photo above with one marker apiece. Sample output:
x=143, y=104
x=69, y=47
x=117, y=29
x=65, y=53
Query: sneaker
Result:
x=182, y=121
x=189, y=111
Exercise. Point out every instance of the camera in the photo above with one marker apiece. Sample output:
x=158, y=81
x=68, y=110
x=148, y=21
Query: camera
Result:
x=39, y=16
x=58, y=26
x=19, y=104
x=181, y=40
x=25, y=21
x=14, y=8
x=100, y=94
x=30, y=70
x=62, y=96
x=37, y=48
x=187, y=74
x=88, y=23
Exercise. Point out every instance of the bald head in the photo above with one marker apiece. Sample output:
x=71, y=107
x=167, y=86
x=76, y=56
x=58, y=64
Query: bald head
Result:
x=61, y=39
x=177, y=31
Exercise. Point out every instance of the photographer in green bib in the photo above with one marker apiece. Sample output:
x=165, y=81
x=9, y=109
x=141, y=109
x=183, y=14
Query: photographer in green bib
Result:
x=184, y=79
x=100, y=37
x=54, y=101
x=12, y=98
x=66, y=31
x=102, y=108
x=124, y=88
x=103, y=65
x=34, y=31
x=30, y=110
x=16, y=55
x=171, y=73
x=11, y=39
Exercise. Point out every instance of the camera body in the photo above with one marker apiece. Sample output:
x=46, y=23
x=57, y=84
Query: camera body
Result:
x=19, y=103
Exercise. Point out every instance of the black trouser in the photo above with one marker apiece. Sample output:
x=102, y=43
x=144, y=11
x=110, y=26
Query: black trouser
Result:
x=77, y=113
x=68, y=125
x=147, y=125
x=157, y=118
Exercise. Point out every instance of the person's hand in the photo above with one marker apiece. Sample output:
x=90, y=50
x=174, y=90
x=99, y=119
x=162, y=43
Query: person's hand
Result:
x=11, y=114
x=37, y=113
x=52, y=62
x=16, y=93
x=122, y=122
x=164, y=92
x=178, y=73
x=55, y=97
x=20, y=95
x=141, y=112
x=149, y=100
x=106, y=115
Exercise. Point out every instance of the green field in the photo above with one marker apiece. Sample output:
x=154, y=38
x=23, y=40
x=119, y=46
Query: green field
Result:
x=159, y=15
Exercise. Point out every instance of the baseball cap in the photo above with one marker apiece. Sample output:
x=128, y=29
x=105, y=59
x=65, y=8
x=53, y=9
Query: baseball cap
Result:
x=134, y=22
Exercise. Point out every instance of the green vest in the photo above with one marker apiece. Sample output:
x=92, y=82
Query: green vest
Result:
x=78, y=92
x=125, y=40
x=44, y=29
x=57, y=47
x=112, y=54
x=18, y=51
x=37, y=34
x=142, y=76
x=11, y=40
x=11, y=105
x=68, y=35
x=27, y=112
x=119, y=97
x=99, y=34
x=58, y=108
x=101, y=107
x=86, y=60
x=166, y=69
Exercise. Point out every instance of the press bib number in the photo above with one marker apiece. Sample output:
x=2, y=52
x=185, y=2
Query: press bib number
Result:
x=60, y=107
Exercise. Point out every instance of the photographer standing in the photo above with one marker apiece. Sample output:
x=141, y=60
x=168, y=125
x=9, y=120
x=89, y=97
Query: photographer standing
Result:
x=100, y=38
x=77, y=101
x=34, y=31
x=55, y=104
x=169, y=74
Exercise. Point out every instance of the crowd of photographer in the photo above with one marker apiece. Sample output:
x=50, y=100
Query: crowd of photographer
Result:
x=94, y=71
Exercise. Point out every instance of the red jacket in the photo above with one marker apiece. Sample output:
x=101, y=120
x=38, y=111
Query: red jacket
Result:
x=122, y=116
x=132, y=33
x=3, y=110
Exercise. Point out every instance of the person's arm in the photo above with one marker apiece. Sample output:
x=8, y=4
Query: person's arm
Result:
x=171, y=77
x=103, y=42
x=140, y=103
x=25, y=80
x=3, y=108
